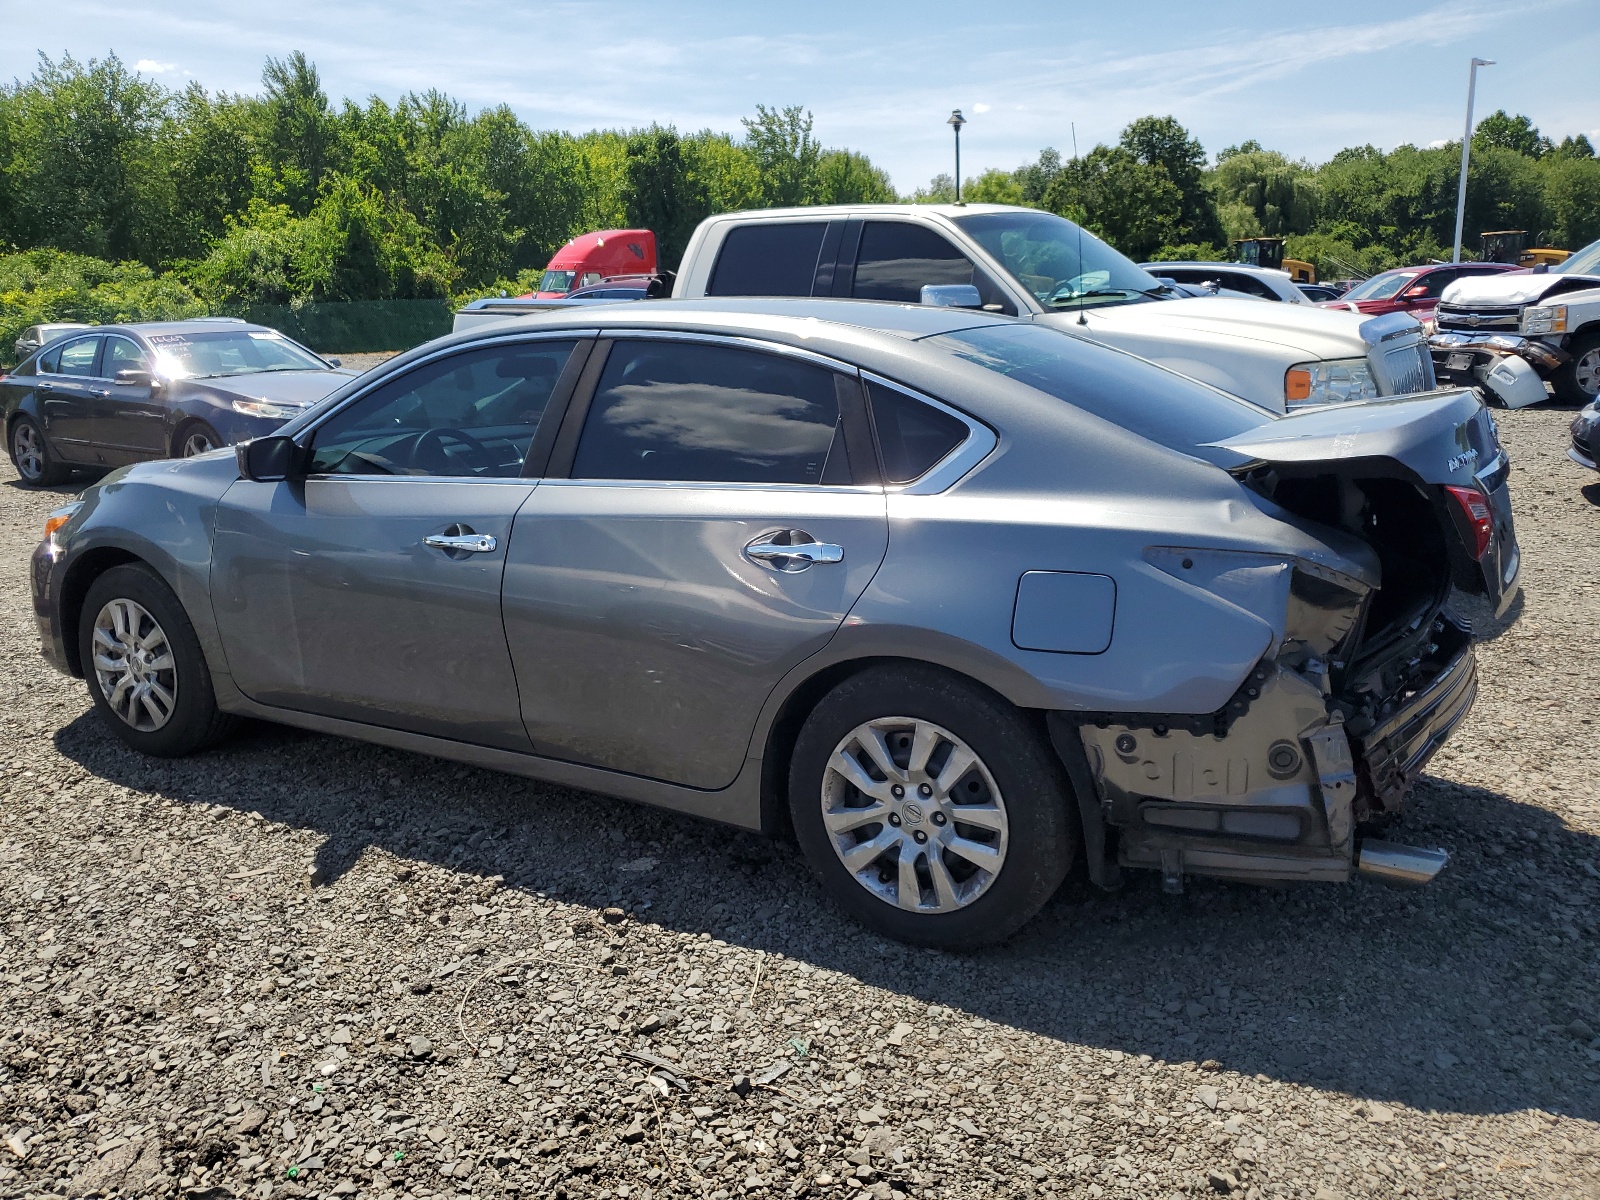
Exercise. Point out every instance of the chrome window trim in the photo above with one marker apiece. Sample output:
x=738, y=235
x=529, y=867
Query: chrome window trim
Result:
x=972, y=450
x=736, y=341
x=304, y=436
x=679, y=485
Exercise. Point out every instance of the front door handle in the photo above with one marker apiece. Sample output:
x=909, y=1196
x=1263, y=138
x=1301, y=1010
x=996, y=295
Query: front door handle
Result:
x=101, y=392
x=470, y=543
x=791, y=551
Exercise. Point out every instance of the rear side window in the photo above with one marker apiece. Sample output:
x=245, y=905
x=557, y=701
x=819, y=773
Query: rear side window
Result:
x=472, y=414
x=77, y=358
x=1249, y=285
x=912, y=436
x=696, y=412
x=768, y=260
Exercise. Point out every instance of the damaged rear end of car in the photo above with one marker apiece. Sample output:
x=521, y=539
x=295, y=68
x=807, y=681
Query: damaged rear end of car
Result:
x=1369, y=671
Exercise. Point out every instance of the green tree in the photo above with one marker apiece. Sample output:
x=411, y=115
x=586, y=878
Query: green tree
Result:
x=1162, y=142
x=1504, y=132
x=660, y=193
x=1132, y=204
x=785, y=152
x=301, y=132
x=80, y=141
x=845, y=177
x=994, y=187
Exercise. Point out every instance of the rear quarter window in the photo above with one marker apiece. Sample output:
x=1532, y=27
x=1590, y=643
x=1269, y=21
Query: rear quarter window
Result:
x=768, y=260
x=912, y=436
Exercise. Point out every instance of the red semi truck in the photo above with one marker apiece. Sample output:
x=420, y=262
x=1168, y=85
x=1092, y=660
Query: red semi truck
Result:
x=592, y=257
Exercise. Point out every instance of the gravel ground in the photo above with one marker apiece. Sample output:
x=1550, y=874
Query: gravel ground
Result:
x=300, y=966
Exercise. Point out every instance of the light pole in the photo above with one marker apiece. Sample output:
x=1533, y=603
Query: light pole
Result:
x=1466, y=150
x=957, y=121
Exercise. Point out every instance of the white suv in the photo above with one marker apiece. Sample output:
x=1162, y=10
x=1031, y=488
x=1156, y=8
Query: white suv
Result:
x=1040, y=267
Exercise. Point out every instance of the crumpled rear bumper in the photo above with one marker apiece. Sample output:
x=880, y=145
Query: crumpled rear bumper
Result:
x=1396, y=749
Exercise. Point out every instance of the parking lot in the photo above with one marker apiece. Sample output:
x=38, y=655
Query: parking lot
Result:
x=296, y=965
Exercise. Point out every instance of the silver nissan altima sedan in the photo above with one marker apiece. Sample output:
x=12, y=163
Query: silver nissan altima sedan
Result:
x=957, y=598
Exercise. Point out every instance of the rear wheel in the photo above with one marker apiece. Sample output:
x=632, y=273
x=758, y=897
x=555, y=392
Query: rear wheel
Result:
x=197, y=438
x=931, y=810
x=146, y=672
x=1578, y=381
x=36, y=463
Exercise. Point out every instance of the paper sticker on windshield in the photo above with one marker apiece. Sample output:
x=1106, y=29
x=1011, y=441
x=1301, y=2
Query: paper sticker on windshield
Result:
x=167, y=339
x=264, y=337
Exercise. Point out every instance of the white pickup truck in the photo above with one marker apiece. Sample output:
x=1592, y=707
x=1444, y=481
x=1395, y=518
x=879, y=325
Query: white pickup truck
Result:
x=1549, y=320
x=1038, y=266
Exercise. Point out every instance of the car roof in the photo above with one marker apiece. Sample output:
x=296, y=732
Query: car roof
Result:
x=824, y=211
x=1197, y=264
x=796, y=316
x=199, y=325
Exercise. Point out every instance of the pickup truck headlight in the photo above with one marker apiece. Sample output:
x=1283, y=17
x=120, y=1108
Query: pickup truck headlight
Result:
x=1551, y=319
x=267, y=409
x=1334, y=381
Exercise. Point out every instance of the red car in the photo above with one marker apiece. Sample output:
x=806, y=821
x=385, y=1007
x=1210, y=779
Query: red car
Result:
x=1414, y=290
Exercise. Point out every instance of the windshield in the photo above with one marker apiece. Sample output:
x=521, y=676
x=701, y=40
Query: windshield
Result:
x=1380, y=287
x=557, y=281
x=1148, y=400
x=1062, y=265
x=1583, y=262
x=229, y=352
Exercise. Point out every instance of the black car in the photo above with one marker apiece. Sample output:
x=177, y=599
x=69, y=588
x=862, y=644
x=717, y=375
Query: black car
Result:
x=118, y=394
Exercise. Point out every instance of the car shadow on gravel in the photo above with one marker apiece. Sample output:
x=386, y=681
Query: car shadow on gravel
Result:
x=1456, y=997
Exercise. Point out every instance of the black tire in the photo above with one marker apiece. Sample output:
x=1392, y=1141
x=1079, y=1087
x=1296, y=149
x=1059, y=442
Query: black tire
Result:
x=185, y=444
x=1577, y=381
x=1041, y=836
x=194, y=721
x=28, y=447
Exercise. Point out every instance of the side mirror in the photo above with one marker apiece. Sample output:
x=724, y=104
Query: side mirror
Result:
x=1414, y=293
x=269, y=459
x=132, y=378
x=336, y=362
x=951, y=295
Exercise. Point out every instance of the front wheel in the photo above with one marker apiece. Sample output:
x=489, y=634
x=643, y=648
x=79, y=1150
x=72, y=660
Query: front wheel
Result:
x=146, y=672
x=197, y=438
x=1578, y=380
x=930, y=808
x=36, y=462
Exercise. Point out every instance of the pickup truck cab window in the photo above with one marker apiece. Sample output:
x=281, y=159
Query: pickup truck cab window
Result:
x=777, y=259
x=696, y=412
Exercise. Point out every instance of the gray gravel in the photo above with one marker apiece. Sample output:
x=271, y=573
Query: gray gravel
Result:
x=299, y=966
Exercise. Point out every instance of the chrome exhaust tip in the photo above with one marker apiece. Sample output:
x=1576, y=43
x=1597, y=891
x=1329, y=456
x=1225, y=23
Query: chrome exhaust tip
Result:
x=1399, y=864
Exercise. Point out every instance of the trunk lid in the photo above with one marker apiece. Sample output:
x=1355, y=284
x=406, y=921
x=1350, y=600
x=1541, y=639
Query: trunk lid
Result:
x=1437, y=442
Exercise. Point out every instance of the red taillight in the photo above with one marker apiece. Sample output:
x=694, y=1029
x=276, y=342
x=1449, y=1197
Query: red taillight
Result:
x=1475, y=507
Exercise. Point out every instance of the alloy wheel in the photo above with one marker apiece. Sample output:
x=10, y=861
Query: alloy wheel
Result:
x=134, y=665
x=27, y=446
x=197, y=442
x=914, y=815
x=1586, y=372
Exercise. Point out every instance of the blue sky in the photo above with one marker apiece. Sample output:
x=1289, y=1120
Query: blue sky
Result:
x=882, y=77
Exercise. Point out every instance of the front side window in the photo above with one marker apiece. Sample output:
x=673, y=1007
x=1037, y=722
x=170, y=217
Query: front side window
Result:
x=1249, y=285
x=472, y=414
x=1437, y=281
x=768, y=260
x=207, y=354
x=76, y=357
x=124, y=355
x=697, y=412
x=897, y=259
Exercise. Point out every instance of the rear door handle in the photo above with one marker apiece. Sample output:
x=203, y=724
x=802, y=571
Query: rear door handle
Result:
x=101, y=392
x=471, y=543
x=791, y=551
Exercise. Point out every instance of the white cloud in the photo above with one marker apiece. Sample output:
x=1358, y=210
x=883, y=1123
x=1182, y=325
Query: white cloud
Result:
x=150, y=66
x=980, y=108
